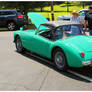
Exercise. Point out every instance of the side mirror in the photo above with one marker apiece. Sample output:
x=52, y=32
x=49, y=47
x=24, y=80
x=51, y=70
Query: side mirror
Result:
x=21, y=28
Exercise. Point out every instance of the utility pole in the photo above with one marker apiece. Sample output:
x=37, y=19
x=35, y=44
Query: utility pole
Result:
x=52, y=11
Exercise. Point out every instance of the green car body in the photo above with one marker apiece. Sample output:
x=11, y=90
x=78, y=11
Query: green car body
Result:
x=71, y=46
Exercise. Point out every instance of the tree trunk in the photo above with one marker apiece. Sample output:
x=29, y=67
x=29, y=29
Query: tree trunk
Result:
x=41, y=9
x=52, y=11
x=67, y=7
x=83, y=5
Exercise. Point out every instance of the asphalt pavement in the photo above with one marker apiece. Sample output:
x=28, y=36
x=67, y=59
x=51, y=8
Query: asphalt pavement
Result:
x=23, y=72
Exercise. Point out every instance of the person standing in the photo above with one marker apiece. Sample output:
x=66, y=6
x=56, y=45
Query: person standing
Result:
x=75, y=17
x=88, y=19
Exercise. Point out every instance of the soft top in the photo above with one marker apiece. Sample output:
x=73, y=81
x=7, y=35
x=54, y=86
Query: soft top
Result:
x=59, y=23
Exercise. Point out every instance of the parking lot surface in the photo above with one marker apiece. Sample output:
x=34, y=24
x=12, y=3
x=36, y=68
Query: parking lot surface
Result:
x=25, y=72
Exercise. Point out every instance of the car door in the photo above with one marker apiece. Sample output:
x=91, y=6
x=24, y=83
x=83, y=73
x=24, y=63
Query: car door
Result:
x=41, y=45
x=2, y=18
x=36, y=43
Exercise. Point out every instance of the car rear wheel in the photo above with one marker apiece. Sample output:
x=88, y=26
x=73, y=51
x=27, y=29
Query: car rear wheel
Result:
x=11, y=26
x=18, y=44
x=60, y=60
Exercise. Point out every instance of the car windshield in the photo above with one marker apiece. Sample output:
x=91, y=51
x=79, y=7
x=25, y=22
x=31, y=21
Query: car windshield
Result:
x=71, y=30
x=43, y=28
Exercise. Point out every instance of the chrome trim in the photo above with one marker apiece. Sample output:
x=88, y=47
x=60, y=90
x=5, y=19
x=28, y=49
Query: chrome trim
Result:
x=87, y=62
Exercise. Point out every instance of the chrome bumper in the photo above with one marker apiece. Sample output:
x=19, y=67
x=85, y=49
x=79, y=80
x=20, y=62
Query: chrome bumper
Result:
x=86, y=63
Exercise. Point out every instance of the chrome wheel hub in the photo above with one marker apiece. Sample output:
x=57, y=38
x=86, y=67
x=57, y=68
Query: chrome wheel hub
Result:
x=19, y=45
x=59, y=60
x=11, y=26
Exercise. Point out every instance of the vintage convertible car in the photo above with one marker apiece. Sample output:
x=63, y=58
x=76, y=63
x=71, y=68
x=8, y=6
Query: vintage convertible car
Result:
x=63, y=42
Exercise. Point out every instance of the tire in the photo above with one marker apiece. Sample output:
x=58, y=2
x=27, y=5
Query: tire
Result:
x=60, y=60
x=11, y=26
x=19, y=46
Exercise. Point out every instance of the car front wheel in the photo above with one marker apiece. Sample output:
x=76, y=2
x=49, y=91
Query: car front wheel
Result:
x=60, y=60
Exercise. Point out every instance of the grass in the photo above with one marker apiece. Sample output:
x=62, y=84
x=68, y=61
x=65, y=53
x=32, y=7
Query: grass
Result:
x=3, y=29
x=56, y=14
x=62, y=7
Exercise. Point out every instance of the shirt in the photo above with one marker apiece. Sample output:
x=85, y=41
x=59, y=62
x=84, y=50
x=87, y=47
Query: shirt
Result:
x=75, y=19
x=88, y=17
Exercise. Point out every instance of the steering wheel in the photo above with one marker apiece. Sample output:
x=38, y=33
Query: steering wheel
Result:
x=48, y=36
x=52, y=35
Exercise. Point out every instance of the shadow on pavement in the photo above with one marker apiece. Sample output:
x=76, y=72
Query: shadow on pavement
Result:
x=85, y=71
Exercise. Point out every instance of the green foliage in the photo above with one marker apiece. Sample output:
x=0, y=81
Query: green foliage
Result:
x=60, y=7
x=26, y=6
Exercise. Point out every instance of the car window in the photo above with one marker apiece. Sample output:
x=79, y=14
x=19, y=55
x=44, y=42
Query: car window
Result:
x=71, y=30
x=0, y=13
x=83, y=13
x=6, y=13
x=9, y=13
x=19, y=13
x=43, y=29
x=58, y=33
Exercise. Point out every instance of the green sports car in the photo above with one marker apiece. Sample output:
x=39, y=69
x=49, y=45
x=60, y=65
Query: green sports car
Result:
x=63, y=42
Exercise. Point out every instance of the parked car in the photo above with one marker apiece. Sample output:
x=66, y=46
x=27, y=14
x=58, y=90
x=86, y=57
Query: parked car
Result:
x=12, y=19
x=70, y=48
x=82, y=14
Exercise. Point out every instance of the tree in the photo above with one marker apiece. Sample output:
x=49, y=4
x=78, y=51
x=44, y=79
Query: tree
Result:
x=84, y=3
x=23, y=6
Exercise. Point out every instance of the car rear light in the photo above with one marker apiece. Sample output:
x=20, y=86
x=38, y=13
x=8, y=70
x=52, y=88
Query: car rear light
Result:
x=82, y=54
x=20, y=16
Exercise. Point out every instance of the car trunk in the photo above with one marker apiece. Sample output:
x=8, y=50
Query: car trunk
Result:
x=84, y=42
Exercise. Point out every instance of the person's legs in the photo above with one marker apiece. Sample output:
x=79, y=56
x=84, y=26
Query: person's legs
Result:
x=90, y=32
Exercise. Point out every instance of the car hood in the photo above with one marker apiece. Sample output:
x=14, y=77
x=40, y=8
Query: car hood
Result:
x=66, y=16
x=37, y=18
x=83, y=42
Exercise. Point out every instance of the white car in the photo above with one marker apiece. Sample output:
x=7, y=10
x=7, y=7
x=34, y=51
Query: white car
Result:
x=82, y=14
